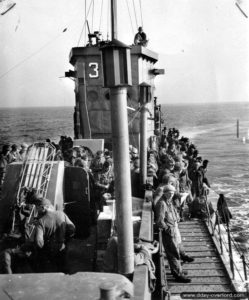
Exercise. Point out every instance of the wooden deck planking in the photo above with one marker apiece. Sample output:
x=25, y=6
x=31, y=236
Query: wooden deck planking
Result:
x=207, y=272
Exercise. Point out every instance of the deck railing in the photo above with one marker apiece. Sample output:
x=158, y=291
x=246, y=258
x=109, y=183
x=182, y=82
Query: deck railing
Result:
x=140, y=279
x=228, y=249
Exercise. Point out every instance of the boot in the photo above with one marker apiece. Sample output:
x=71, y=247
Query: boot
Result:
x=186, y=258
x=182, y=278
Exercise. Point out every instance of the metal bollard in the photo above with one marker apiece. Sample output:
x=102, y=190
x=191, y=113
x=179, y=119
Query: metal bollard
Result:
x=107, y=291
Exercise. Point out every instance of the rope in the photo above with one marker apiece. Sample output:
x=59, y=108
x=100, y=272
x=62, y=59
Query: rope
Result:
x=135, y=115
x=135, y=13
x=141, y=12
x=133, y=31
x=84, y=24
x=29, y=57
x=101, y=14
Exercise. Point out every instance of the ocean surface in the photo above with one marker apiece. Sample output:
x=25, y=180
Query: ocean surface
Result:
x=211, y=127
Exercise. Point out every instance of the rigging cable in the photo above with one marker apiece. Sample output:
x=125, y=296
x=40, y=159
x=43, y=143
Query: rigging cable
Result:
x=130, y=18
x=30, y=56
x=141, y=12
x=135, y=13
x=92, y=16
x=36, y=52
x=84, y=25
x=135, y=115
x=101, y=13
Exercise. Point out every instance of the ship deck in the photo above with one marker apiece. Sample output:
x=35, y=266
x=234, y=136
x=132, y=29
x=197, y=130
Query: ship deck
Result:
x=208, y=272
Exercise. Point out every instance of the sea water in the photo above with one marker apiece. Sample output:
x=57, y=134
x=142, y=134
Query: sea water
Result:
x=211, y=127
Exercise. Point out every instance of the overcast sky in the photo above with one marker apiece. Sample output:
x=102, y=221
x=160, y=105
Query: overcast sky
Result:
x=203, y=46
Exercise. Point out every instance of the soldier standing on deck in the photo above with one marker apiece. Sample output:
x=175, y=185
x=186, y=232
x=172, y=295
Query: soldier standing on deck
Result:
x=52, y=231
x=167, y=220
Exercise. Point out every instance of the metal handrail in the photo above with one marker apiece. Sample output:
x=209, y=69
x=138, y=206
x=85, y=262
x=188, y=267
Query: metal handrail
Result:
x=219, y=233
x=229, y=250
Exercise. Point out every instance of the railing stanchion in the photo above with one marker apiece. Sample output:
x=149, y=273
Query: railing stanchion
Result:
x=220, y=238
x=230, y=249
x=245, y=274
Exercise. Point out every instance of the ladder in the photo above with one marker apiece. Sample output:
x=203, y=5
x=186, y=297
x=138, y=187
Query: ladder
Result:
x=35, y=174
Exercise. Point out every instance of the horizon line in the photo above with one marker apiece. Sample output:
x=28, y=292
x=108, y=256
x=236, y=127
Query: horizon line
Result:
x=169, y=103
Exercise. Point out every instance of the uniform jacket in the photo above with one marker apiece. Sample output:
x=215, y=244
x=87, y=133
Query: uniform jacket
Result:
x=52, y=230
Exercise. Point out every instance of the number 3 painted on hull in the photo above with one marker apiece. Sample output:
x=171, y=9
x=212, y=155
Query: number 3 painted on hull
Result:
x=95, y=69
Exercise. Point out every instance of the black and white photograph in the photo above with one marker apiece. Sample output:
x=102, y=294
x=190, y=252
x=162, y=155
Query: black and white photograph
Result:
x=124, y=149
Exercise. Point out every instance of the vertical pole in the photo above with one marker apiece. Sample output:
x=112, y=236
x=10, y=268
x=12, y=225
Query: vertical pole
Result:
x=237, y=128
x=244, y=266
x=221, y=246
x=143, y=143
x=84, y=118
x=230, y=249
x=114, y=25
x=120, y=140
x=245, y=274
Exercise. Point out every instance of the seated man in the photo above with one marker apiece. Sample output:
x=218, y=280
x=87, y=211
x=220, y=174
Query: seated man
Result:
x=142, y=256
x=16, y=260
x=104, y=185
x=140, y=38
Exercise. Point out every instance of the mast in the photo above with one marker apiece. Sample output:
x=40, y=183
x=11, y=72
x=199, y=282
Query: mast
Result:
x=114, y=24
x=117, y=70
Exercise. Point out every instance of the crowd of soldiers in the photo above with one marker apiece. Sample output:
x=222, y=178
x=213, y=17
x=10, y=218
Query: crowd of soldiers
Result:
x=178, y=173
x=180, y=187
x=181, y=182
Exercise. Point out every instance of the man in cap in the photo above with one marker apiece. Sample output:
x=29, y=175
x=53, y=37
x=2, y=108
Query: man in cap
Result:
x=3, y=162
x=13, y=155
x=167, y=219
x=23, y=151
x=196, y=176
x=140, y=37
x=52, y=230
x=97, y=162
